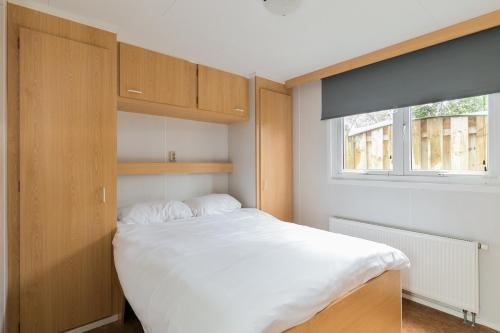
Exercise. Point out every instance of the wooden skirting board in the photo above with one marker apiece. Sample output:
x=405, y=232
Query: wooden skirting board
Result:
x=465, y=28
x=174, y=167
x=158, y=109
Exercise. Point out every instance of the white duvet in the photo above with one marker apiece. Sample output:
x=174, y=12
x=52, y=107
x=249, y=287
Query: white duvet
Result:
x=242, y=272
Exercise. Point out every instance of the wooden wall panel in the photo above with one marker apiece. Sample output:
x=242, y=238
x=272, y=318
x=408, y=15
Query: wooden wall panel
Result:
x=17, y=17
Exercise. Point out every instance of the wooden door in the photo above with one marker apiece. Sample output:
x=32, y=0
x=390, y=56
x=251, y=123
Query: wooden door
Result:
x=220, y=91
x=67, y=162
x=156, y=77
x=276, y=163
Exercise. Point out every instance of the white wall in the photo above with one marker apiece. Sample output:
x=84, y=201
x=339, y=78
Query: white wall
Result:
x=465, y=215
x=242, y=154
x=145, y=138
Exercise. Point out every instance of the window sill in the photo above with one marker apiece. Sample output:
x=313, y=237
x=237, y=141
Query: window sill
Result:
x=457, y=183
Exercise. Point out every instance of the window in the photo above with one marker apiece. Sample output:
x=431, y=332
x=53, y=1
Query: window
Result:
x=449, y=138
x=368, y=141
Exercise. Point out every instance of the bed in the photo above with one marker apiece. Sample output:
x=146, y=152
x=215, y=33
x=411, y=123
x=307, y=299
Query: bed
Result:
x=247, y=272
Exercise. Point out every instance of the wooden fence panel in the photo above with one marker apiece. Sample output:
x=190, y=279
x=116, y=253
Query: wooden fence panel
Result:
x=459, y=143
x=349, y=146
x=456, y=143
x=376, y=155
x=360, y=152
x=435, y=135
x=447, y=143
x=424, y=146
x=416, y=144
x=387, y=153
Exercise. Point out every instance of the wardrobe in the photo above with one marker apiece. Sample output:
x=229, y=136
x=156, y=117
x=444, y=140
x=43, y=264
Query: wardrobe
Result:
x=274, y=148
x=62, y=173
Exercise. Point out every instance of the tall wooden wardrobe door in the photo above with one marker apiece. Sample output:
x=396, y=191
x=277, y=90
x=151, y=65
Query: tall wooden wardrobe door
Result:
x=276, y=154
x=67, y=160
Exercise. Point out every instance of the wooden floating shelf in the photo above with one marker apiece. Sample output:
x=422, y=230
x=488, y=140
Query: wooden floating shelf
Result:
x=158, y=109
x=155, y=168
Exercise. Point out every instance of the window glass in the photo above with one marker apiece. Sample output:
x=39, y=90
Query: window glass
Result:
x=368, y=141
x=450, y=135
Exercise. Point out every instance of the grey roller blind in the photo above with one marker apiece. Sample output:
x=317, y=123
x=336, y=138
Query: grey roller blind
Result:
x=463, y=67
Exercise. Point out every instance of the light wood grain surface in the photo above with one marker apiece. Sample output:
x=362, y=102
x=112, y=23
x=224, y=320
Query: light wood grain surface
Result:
x=276, y=171
x=220, y=91
x=65, y=237
x=166, y=110
x=175, y=167
x=155, y=77
x=262, y=83
x=17, y=17
x=374, y=307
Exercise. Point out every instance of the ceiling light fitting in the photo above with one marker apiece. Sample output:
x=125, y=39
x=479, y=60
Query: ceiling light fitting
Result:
x=281, y=7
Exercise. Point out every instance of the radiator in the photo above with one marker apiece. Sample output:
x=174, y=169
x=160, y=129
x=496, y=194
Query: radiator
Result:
x=442, y=269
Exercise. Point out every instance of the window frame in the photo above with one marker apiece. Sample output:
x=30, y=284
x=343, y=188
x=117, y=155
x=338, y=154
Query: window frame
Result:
x=402, y=158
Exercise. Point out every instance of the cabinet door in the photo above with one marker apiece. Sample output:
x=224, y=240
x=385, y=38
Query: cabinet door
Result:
x=221, y=91
x=67, y=162
x=276, y=173
x=156, y=77
x=237, y=101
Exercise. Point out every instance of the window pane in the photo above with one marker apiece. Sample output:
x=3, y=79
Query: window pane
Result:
x=368, y=141
x=450, y=135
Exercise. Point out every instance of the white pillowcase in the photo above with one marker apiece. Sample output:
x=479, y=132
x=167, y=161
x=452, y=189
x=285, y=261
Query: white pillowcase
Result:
x=154, y=212
x=213, y=204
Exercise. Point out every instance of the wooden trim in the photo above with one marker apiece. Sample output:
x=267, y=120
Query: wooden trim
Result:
x=165, y=110
x=17, y=17
x=262, y=83
x=176, y=167
x=468, y=27
x=374, y=307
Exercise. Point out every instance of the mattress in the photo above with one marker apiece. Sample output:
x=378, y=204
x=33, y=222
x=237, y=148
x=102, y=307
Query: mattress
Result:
x=244, y=272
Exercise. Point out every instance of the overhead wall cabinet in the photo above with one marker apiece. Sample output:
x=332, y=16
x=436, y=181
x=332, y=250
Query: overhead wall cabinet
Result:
x=220, y=91
x=158, y=84
x=155, y=77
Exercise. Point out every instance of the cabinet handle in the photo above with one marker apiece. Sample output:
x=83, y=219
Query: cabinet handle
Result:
x=103, y=194
x=238, y=110
x=135, y=91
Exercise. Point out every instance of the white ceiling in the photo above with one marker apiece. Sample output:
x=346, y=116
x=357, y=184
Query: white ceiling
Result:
x=242, y=37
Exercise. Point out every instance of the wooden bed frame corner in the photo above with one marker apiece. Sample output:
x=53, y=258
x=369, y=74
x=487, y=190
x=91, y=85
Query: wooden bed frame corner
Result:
x=374, y=307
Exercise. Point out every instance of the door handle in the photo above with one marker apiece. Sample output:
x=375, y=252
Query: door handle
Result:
x=265, y=185
x=135, y=91
x=103, y=194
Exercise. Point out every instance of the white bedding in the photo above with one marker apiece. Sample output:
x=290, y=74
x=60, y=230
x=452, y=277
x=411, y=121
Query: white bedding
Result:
x=241, y=272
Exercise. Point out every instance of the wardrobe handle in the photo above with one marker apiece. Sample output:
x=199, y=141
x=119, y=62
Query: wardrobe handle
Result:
x=103, y=194
x=238, y=110
x=135, y=91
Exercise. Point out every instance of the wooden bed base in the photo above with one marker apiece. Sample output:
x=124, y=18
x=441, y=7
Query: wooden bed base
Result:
x=374, y=307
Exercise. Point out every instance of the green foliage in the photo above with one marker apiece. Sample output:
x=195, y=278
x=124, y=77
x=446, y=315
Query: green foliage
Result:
x=451, y=108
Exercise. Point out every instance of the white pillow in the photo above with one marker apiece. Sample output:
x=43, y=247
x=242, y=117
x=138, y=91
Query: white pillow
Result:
x=154, y=212
x=213, y=204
